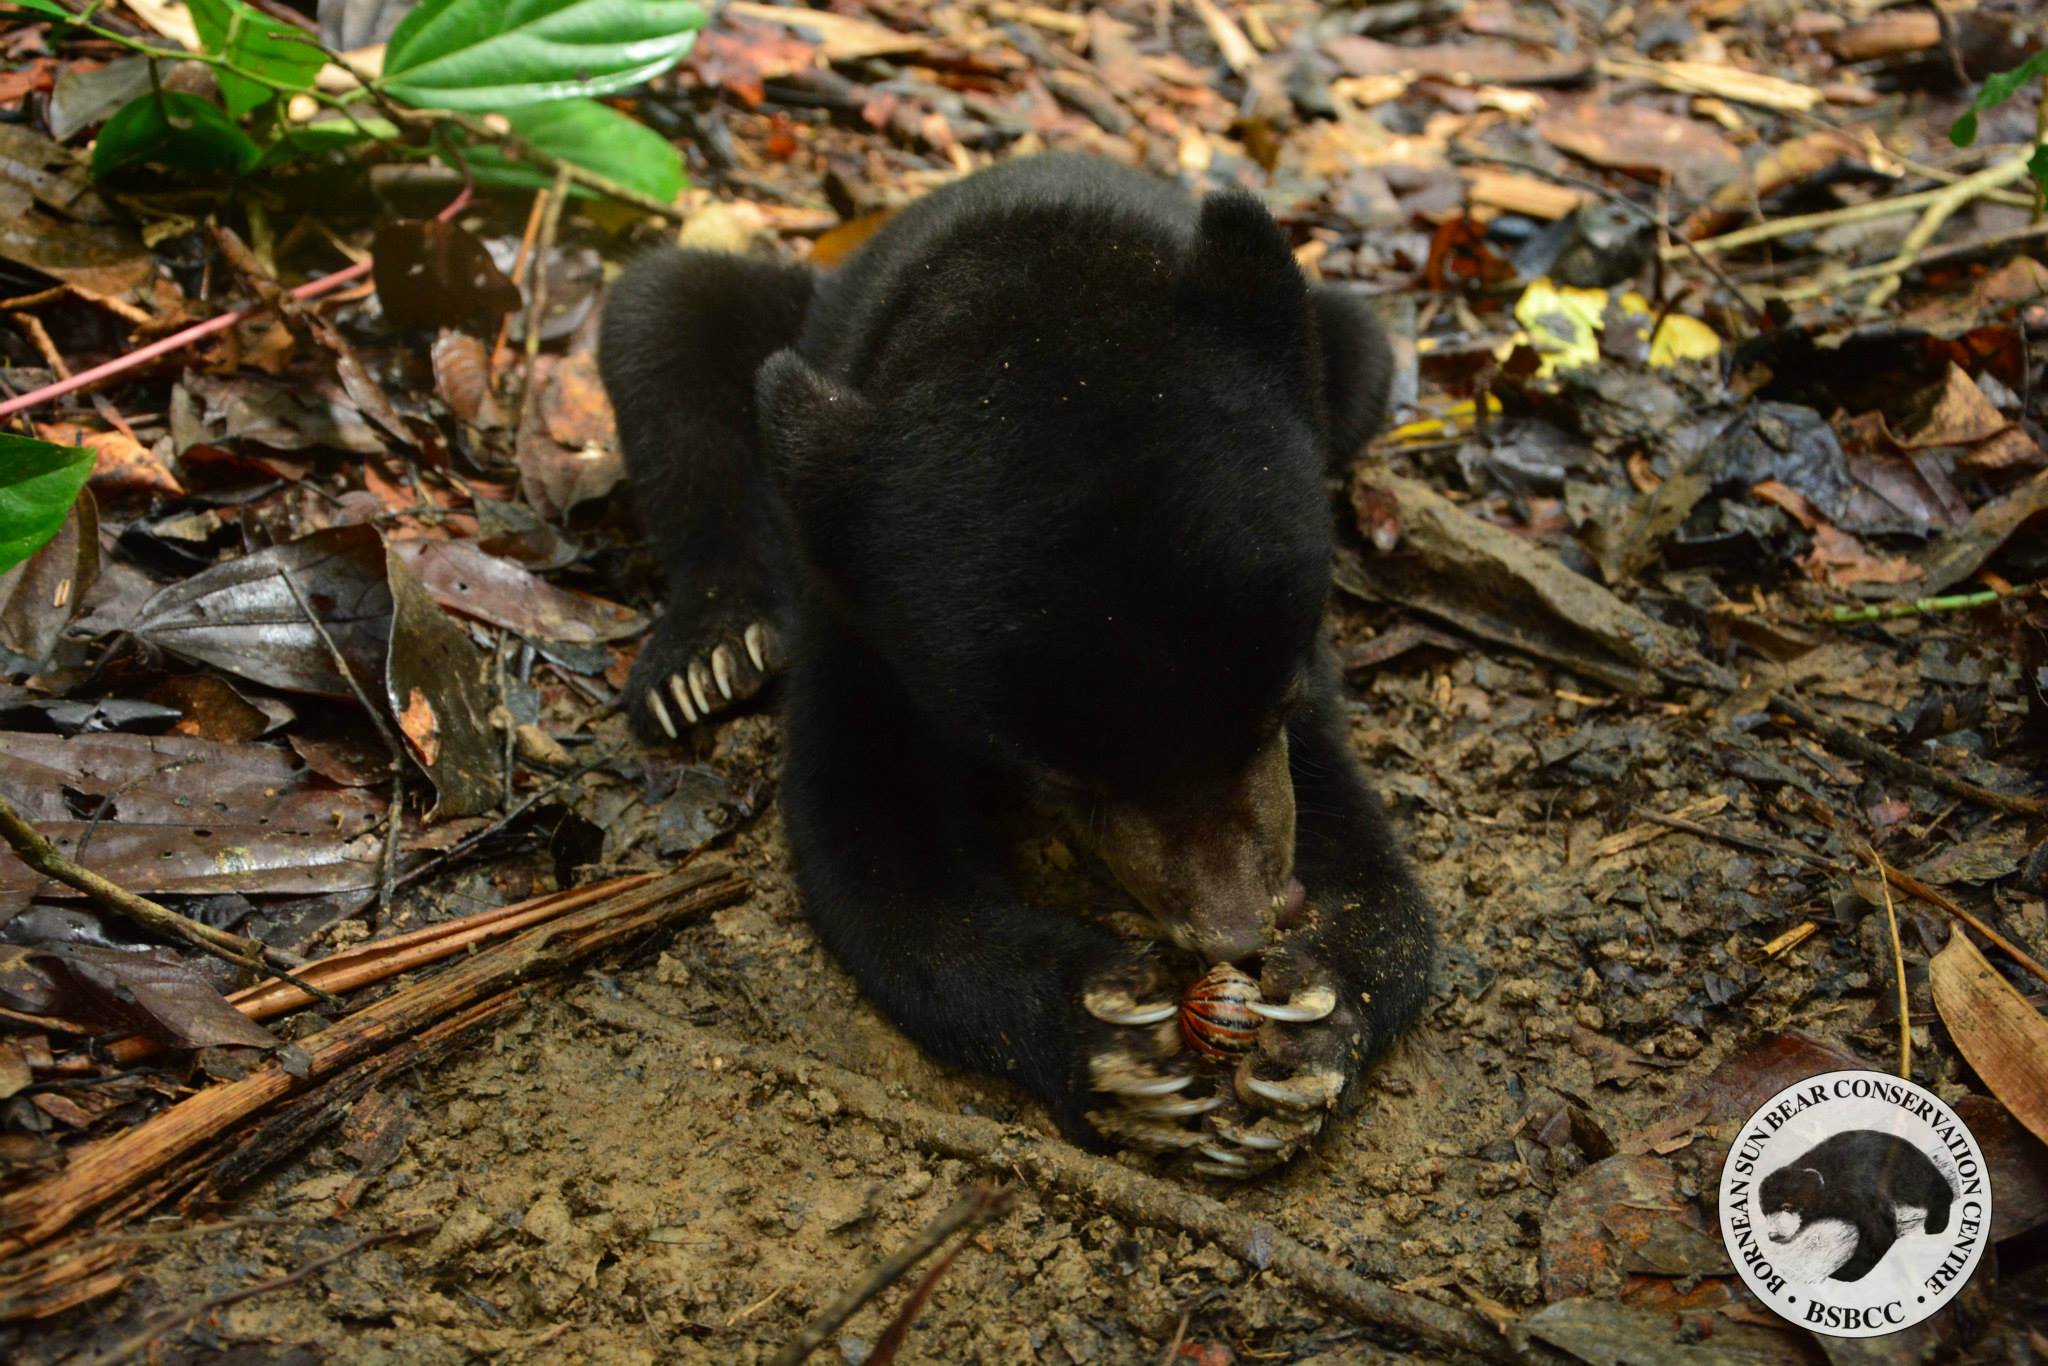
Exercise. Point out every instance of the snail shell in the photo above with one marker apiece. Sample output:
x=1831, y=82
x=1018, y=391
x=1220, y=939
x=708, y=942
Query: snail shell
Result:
x=1216, y=1015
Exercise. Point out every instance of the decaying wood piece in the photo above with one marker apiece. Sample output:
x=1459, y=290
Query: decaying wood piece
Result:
x=136, y=1169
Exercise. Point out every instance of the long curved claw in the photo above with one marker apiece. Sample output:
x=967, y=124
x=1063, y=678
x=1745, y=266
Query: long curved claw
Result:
x=1140, y=1131
x=1303, y=1007
x=1125, y=1076
x=723, y=670
x=654, y=704
x=1224, y=1157
x=1117, y=1008
x=764, y=646
x=1246, y=1138
x=1306, y=1091
x=701, y=687
x=1185, y=1107
x=680, y=691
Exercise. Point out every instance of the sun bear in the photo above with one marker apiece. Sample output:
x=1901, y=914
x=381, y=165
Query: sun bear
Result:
x=1862, y=1180
x=1027, y=501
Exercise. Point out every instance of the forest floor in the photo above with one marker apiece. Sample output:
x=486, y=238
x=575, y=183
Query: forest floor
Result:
x=1597, y=605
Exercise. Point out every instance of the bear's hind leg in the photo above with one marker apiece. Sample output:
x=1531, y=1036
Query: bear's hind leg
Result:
x=684, y=332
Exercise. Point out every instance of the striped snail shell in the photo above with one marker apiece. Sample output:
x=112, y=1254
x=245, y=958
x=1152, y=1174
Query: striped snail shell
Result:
x=1216, y=1015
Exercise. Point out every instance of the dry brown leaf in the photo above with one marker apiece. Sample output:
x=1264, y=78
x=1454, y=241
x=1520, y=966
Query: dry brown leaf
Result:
x=1521, y=194
x=1643, y=141
x=1958, y=415
x=840, y=37
x=1477, y=63
x=2004, y=1038
x=2011, y=449
x=121, y=464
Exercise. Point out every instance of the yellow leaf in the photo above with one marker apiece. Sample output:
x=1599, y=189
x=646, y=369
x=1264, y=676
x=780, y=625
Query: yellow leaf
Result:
x=1563, y=323
x=2004, y=1038
x=1680, y=338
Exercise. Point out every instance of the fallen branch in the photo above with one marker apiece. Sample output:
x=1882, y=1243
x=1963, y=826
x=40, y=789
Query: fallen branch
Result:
x=1911, y=770
x=1054, y=1165
x=972, y=1210
x=103, y=1172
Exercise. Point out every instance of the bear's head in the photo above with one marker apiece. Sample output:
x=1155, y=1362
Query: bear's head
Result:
x=1788, y=1198
x=1093, y=552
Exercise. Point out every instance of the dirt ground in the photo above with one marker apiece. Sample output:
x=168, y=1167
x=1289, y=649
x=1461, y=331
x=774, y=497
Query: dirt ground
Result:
x=605, y=1177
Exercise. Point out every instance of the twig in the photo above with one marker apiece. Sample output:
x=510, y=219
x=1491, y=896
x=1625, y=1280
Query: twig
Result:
x=537, y=294
x=975, y=1208
x=898, y=1331
x=1939, y=210
x=1911, y=770
x=1913, y=886
x=1685, y=245
x=1891, y=915
x=1237, y=49
x=35, y=849
x=387, y=874
x=1955, y=602
x=198, y=1309
x=1054, y=1165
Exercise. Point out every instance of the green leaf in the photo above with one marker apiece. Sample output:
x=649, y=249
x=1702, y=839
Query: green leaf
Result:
x=182, y=132
x=498, y=54
x=304, y=141
x=597, y=138
x=1997, y=89
x=39, y=481
x=248, y=38
x=49, y=7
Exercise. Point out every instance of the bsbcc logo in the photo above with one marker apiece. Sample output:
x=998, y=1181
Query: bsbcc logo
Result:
x=1855, y=1203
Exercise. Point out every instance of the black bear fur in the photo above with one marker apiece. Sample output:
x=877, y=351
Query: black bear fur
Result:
x=1034, y=488
x=1860, y=1178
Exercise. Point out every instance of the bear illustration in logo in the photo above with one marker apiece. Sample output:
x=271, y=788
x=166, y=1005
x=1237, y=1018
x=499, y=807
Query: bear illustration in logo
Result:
x=1852, y=1194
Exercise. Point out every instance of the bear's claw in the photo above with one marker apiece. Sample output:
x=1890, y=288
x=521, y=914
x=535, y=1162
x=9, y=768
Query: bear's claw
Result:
x=701, y=686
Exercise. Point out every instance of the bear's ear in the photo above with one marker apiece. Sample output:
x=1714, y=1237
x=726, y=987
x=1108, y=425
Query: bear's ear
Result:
x=1818, y=1178
x=1241, y=254
x=810, y=427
